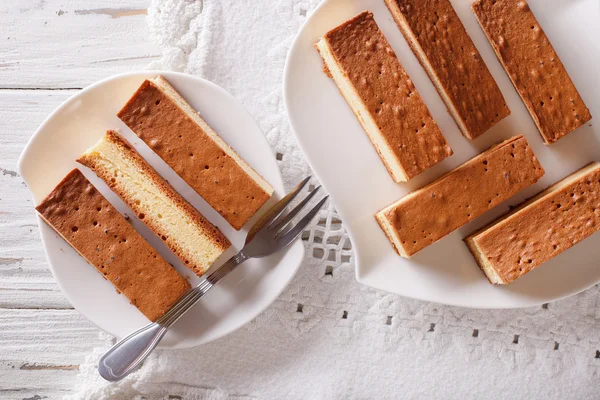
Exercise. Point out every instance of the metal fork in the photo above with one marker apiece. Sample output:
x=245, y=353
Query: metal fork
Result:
x=271, y=233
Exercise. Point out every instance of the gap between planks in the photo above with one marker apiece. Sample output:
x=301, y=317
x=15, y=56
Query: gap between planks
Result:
x=36, y=308
x=112, y=12
x=40, y=88
x=38, y=367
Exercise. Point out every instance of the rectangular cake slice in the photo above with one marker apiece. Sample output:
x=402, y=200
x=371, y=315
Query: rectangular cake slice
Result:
x=533, y=66
x=382, y=96
x=439, y=40
x=185, y=231
x=93, y=227
x=541, y=228
x=162, y=118
x=426, y=215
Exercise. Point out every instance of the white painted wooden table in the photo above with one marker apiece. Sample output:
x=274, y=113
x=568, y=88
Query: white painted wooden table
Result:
x=48, y=50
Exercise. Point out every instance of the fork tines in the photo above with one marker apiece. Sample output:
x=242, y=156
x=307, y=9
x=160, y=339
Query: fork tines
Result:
x=279, y=223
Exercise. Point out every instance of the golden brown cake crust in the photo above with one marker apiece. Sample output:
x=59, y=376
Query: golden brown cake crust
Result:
x=210, y=232
x=457, y=69
x=458, y=197
x=93, y=227
x=192, y=153
x=533, y=66
x=368, y=61
x=542, y=230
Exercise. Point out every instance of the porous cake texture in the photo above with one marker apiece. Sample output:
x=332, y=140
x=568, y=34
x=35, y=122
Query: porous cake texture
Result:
x=424, y=216
x=162, y=118
x=439, y=40
x=533, y=66
x=383, y=97
x=93, y=227
x=541, y=228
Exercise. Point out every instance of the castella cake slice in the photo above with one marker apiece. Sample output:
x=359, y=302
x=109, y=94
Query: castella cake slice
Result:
x=541, y=228
x=382, y=96
x=186, y=232
x=96, y=230
x=439, y=40
x=533, y=66
x=162, y=118
x=426, y=215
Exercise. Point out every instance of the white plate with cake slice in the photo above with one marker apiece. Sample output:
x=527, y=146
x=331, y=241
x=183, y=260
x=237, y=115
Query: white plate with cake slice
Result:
x=78, y=124
x=350, y=169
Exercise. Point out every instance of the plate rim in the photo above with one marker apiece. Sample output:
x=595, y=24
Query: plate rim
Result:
x=22, y=162
x=363, y=278
x=286, y=95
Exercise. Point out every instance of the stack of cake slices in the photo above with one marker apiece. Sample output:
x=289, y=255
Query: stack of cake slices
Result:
x=369, y=76
x=78, y=212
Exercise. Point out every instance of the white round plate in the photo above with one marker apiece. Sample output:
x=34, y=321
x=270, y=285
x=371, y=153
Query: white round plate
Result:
x=344, y=160
x=79, y=123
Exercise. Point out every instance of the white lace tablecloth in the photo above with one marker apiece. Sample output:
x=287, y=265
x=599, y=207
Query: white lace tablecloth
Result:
x=326, y=336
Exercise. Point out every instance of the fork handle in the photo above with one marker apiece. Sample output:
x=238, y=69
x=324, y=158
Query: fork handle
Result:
x=125, y=356
x=130, y=352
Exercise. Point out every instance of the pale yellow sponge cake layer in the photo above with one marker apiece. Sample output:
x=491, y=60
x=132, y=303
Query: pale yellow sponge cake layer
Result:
x=185, y=231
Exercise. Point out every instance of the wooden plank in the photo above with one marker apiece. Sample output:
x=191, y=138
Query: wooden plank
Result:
x=45, y=337
x=52, y=44
x=35, y=393
x=21, y=112
x=40, y=351
x=42, y=340
x=25, y=280
x=71, y=43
